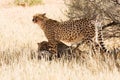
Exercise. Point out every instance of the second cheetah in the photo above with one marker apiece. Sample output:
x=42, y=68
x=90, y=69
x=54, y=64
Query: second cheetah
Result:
x=71, y=31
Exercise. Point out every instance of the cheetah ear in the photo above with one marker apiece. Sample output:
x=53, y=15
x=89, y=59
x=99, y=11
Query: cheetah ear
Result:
x=43, y=14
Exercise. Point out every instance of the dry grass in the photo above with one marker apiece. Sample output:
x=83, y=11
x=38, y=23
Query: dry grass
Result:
x=18, y=38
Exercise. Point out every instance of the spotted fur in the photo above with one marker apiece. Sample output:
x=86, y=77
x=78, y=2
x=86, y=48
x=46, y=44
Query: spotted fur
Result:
x=71, y=31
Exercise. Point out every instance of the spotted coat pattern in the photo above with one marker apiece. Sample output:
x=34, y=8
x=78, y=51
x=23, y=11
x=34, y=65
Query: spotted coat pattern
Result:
x=70, y=31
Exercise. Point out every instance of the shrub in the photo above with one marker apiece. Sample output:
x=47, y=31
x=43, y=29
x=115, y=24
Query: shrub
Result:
x=27, y=2
x=91, y=8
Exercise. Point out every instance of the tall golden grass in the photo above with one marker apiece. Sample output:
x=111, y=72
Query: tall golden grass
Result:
x=19, y=38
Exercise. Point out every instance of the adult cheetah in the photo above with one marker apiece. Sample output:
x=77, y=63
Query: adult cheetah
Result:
x=71, y=31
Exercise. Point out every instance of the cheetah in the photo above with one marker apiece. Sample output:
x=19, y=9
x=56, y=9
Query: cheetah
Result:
x=61, y=48
x=44, y=46
x=71, y=31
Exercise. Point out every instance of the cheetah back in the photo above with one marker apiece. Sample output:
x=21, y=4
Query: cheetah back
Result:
x=74, y=31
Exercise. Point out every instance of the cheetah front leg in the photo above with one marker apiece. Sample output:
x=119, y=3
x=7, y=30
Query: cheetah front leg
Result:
x=53, y=47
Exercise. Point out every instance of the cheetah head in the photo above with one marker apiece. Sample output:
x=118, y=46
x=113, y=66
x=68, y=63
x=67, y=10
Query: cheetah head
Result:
x=39, y=18
x=43, y=46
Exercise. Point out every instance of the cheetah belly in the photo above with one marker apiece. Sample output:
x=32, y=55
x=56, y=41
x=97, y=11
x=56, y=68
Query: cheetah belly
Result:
x=72, y=39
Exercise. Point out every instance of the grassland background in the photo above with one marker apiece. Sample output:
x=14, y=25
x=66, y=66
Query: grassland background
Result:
x=19, y=37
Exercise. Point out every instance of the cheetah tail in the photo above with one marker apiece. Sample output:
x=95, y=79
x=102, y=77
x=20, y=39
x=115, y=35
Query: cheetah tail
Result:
x=100, y=39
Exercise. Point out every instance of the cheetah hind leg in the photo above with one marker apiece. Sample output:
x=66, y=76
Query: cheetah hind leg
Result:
x=78, y=44
x=93, y=46
x=53, y=48
x=75, y=47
